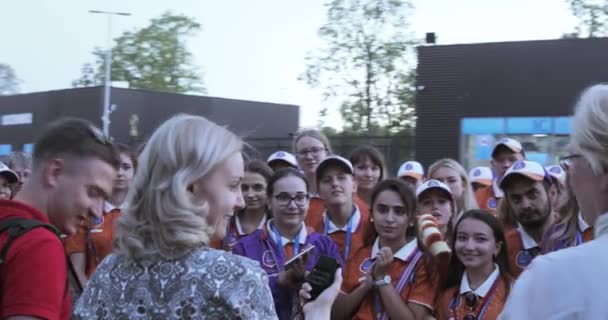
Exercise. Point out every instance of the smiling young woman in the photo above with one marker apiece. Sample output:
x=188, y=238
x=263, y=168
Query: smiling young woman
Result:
x=370, y=169
x=478, y=283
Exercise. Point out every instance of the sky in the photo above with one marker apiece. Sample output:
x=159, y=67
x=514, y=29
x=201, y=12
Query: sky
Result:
x=247, y=49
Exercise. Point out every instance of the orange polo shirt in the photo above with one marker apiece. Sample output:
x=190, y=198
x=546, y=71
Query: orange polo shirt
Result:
x=316, y=209
x=519, y=246
x=486, y=199
x=421, y=290
x=95, y=238
x=360, y=225
x=451, y=305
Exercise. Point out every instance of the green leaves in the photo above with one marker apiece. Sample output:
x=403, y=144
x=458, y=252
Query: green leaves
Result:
x=592, y=16
x=364, y=63
x=154, y=58
x=9, y=84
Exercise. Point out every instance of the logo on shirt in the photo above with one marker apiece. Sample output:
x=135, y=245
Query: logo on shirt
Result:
x=268, y=260
x=523, y=259
x=97, y=221
x=492, y=203
x=366, y=264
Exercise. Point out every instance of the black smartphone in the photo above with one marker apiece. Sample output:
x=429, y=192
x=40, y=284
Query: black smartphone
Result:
x=322, y=275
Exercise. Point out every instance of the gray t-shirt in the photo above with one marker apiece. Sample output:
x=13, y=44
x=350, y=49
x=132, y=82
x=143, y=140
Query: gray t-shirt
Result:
x=204, y=284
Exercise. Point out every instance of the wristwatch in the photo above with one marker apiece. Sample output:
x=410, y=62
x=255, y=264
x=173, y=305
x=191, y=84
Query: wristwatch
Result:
x=382, y=282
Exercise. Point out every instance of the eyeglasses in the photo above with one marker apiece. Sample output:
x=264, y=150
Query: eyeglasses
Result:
x=566, y=161
x=315, y=151
x=284, y=199
x=471, y=300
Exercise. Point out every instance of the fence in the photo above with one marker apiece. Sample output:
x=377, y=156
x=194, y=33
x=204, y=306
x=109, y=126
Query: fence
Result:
x=396, y=149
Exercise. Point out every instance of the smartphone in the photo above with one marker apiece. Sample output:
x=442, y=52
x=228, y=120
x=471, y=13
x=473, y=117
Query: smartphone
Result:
x=298, y=256
x=322, y=276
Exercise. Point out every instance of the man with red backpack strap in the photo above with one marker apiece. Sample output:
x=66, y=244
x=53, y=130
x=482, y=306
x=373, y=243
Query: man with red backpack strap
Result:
x=74, y=167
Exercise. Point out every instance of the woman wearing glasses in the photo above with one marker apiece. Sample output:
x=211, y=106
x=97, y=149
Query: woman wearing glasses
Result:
x=478, y=283
x=311, y=147
x=283, y=237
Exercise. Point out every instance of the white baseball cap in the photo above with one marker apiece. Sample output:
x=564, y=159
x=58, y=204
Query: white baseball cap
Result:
x=9, y=174
x=529, y=169
x=411, y=169
x=512, y=144
x=433, y=184
x=482, y=175
x=335, y=159
x=283, y=156
x=557, y=172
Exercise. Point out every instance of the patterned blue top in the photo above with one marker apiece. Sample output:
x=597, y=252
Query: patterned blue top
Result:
x=204, y=284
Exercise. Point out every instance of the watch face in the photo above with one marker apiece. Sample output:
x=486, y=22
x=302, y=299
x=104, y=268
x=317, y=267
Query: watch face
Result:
x=387, y=279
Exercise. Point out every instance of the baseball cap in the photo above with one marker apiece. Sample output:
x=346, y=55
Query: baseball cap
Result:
x=283, y=156
x=482, y=175
x=9, y=174
x=411, y=169
x=512, y=144
x=333, y=159
x=557, y=173
x=433, y=184
x=529, y=169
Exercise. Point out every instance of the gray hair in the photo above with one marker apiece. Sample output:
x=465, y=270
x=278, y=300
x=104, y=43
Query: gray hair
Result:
x=590, y=127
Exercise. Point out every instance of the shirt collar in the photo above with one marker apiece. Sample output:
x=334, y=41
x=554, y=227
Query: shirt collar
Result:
x=239, y=228
x=355, y=222
x=498, y=193
x=601, y=225
x=403, y=254
x=483, y=289
x=107, y=207
x=582, y=224
x=527, y=241
x=301, y=236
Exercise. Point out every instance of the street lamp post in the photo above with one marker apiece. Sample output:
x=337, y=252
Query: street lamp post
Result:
x=105, y=116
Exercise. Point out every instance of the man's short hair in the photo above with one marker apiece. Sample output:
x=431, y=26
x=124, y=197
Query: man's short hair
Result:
x=76, y=138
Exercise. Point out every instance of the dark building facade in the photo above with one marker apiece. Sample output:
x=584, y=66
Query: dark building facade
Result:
x=470, y=95
x=136, y=114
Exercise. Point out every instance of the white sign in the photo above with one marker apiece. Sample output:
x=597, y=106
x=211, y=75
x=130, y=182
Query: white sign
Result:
x=17, y=118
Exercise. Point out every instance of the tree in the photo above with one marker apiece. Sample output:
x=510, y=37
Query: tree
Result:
x=364, y=67
x=9, y=83
x=592, y=16
x=154, y=58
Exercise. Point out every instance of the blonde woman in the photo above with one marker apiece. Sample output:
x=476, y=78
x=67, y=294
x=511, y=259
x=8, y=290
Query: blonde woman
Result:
x=452, y=174
x=183, y=195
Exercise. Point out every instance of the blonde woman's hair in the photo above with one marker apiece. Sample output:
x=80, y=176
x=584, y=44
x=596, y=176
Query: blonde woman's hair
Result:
x=589, y=134
x=467, y=201
x=160, y=217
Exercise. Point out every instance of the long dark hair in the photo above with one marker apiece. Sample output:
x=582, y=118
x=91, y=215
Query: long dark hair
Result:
x=456, y=268
x=406, y=194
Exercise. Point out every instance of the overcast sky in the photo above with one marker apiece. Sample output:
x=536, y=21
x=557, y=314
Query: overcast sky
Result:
x=248, y=49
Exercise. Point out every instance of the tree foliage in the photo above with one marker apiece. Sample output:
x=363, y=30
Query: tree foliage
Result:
x=592, y=16
x=363, y=67
x=154, y=58
x=9, y=83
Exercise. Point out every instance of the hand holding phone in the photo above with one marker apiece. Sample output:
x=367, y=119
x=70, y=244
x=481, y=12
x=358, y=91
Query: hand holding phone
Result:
x=302, y=256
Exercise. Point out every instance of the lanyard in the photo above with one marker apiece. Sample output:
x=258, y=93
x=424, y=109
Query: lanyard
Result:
x=407, y=276
x=579, y=238
x=486, y=303
x=349, y=232
x=296, y=242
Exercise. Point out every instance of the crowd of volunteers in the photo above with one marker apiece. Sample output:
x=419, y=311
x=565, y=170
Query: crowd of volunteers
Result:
x=188, y=226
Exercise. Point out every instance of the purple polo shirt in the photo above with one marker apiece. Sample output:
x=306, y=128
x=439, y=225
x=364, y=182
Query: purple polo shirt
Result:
x=260, y=247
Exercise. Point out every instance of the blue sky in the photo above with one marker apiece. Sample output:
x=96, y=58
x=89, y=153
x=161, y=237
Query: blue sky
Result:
x=248, y=49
